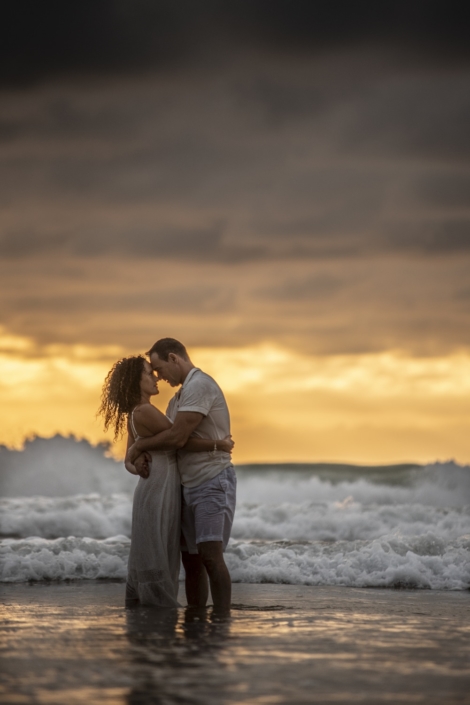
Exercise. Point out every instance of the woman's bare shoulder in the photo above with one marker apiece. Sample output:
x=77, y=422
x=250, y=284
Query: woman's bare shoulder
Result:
x=142, y=407
x=151, y=418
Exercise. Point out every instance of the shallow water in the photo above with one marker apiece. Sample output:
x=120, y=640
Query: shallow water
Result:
x=74, y=643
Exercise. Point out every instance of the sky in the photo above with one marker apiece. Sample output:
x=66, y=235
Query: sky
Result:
x=283, y=186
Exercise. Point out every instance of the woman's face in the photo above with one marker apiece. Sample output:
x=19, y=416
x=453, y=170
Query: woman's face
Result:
x=148, y=381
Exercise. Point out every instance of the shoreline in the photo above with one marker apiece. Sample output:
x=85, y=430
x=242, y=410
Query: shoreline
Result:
x=13, y=585
x=287, y=644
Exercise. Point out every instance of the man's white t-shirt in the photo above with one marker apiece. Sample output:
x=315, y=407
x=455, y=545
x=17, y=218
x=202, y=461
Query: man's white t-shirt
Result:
x=201, y=393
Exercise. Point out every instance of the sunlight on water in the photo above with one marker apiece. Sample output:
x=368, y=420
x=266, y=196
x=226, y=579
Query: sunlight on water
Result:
x=338, y=641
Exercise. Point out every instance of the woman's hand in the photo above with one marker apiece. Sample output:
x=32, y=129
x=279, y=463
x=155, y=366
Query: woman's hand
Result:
x=226, y=444
x=142, y=465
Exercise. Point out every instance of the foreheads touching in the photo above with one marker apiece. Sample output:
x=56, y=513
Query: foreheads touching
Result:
x=170, y=360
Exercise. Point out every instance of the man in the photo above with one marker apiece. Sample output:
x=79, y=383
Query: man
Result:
x=208, y=479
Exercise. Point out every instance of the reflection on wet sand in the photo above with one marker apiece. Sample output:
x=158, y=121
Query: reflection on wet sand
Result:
x=285, y=644
x=169, y=648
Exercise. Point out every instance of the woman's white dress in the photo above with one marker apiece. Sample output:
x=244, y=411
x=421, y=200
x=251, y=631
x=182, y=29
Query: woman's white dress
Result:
x=154, y=560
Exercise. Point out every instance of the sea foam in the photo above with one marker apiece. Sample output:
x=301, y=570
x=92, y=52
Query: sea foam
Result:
x=423, y=562
x=68, y=558
x=405, y=526
x=99, y=517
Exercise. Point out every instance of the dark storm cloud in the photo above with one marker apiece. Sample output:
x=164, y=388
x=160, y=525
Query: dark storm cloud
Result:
x=329, y=161
x=177, y=299
x=463, y=295
x=39, y=39
x=193, y=245
x=303, y=288
x=405, y=238
x=447, y=190
x=333, y=306
x=279, y=171
x=426, y=113
x=431, y=238
x=175, y=243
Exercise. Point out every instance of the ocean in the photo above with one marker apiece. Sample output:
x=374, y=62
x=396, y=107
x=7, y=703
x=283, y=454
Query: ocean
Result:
x=66, y=507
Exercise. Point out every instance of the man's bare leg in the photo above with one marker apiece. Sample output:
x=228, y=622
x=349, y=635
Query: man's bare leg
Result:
x=212, y=556
x=197, y=587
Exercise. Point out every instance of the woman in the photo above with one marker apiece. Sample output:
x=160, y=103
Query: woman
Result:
x=154, y=558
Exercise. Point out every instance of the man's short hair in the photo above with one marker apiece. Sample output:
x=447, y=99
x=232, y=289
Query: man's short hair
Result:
x=165, y=346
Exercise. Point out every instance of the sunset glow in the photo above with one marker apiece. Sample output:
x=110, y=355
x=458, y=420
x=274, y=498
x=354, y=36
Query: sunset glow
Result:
x=285, y=405
x=296, y=214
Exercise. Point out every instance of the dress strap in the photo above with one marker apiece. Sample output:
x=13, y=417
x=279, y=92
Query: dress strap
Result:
x=136, y=435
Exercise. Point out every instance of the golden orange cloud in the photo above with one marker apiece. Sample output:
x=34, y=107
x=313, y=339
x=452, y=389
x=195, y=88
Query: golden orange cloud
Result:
x=285, y=406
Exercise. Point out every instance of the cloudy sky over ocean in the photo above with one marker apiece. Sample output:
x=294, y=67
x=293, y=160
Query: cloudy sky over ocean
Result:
x=281, y=185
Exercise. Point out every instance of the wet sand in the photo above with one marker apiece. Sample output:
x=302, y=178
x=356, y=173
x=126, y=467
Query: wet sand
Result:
x=75, y=643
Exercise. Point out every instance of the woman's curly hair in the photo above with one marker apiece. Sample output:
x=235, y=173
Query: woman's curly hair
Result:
x=121, y=392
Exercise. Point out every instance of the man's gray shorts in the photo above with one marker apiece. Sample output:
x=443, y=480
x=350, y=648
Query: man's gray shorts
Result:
x=207, y=510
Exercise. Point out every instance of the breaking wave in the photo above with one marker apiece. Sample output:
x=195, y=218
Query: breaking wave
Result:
x=66, y=514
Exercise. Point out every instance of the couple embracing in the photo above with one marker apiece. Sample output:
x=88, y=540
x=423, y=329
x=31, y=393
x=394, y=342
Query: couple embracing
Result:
x=185, y=497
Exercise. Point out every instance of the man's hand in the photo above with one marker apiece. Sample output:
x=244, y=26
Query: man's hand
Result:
x=226, y=444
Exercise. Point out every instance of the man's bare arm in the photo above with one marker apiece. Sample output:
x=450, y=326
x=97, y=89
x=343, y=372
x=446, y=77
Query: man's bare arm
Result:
x=175, y=437
x=198, y=445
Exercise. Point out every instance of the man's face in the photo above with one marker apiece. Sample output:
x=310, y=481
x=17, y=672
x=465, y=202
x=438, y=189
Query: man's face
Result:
x=168, y=370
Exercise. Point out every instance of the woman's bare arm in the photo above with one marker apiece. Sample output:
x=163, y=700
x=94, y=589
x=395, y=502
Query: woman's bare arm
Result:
x=130, y=440
x=148, y=421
